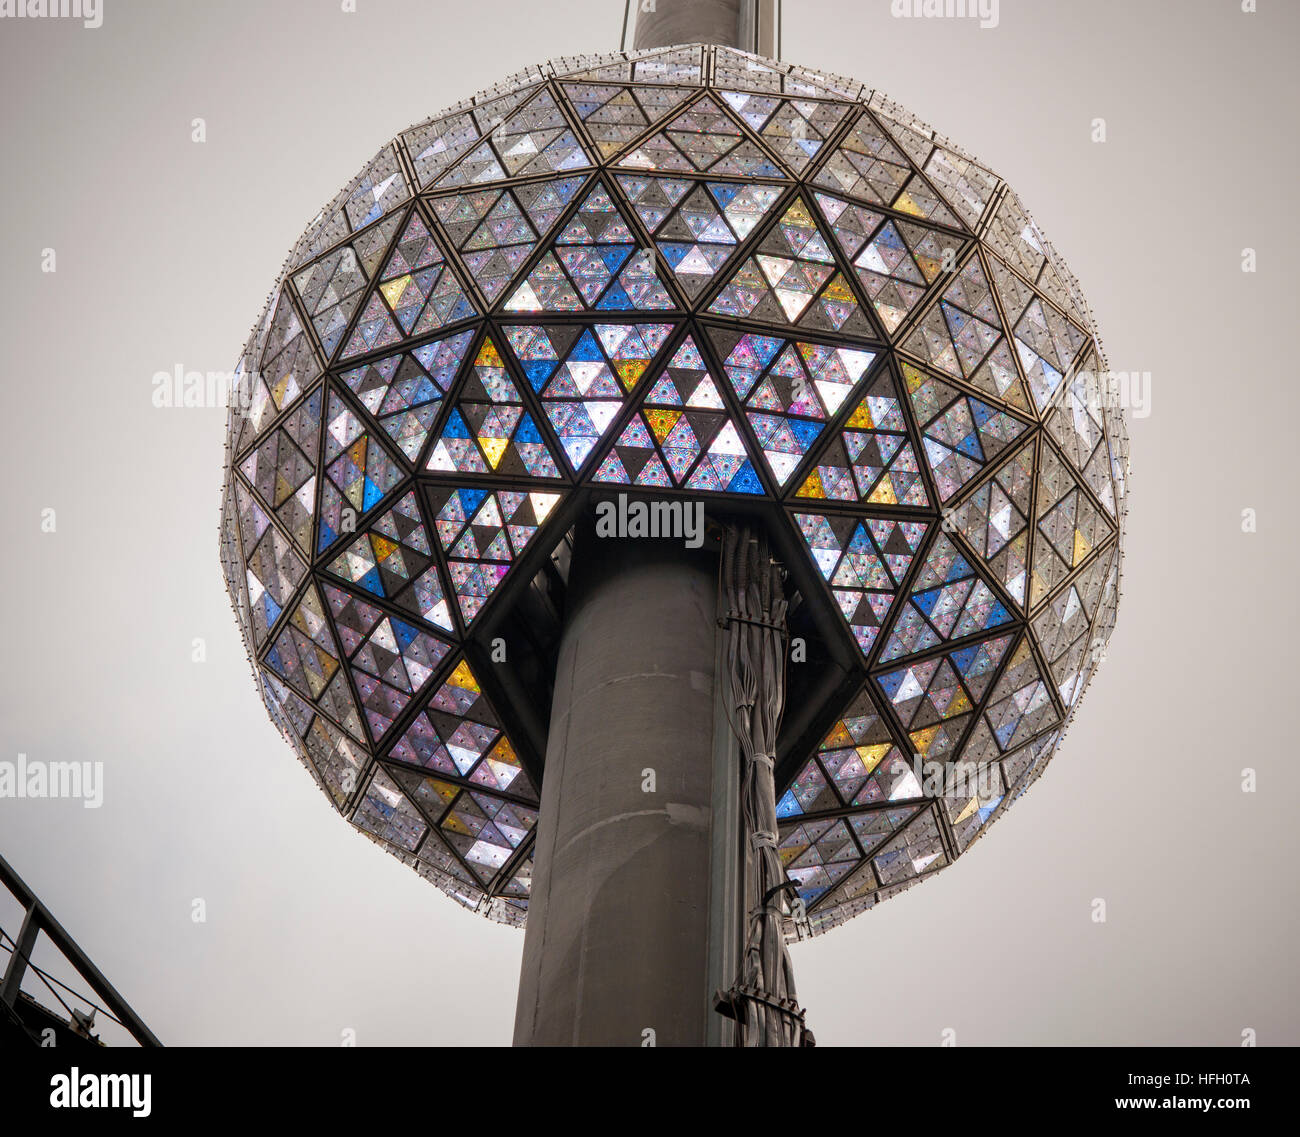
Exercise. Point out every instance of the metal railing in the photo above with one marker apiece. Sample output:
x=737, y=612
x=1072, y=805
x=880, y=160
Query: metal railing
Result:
x=37, y=919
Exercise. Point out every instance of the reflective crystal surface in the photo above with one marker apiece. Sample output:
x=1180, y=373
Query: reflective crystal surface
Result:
x=697, y=272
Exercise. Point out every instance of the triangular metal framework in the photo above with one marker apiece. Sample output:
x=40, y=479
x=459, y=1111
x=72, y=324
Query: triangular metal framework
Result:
x=820, y=226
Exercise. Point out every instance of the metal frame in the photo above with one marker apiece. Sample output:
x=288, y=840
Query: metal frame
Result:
x=38, y=919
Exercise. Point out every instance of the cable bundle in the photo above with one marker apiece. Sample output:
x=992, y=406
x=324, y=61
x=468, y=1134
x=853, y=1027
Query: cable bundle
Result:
x=763, y=1000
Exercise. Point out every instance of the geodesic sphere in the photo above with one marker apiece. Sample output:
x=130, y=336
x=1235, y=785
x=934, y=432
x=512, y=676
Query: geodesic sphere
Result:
x=686, y=272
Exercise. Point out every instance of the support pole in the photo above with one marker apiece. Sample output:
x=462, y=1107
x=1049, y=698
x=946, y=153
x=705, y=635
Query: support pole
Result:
x=747, y=24
x=22, y=953
x=617, y=946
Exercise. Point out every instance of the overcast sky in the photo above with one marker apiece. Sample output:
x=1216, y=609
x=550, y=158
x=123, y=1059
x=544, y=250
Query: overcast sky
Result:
x=165, y=250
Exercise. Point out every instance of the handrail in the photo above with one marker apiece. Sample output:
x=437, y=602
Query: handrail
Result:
x=37, y=919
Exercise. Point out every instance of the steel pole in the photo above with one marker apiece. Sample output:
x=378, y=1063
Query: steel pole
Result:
x=619, y=939
x=747, y=24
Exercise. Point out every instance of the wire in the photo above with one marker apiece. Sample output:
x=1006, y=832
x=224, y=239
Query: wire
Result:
x=751, y=584
x=47, y=979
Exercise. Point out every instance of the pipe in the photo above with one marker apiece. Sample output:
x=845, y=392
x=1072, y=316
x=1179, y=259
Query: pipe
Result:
x=746, y=24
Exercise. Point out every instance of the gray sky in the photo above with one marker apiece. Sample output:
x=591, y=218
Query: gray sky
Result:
x=165, y=252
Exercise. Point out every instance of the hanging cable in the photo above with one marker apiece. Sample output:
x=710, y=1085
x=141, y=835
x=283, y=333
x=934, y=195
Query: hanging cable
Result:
x=762, y=1000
